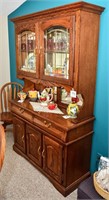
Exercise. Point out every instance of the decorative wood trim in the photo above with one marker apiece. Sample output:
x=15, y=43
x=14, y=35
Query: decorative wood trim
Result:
x=25, y=27
x=61, y=10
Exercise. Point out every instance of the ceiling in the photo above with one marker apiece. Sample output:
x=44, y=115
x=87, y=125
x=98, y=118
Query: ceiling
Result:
x=8, y=6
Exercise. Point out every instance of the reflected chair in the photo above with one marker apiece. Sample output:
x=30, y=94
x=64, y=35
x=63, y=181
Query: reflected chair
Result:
x=2, y=145
x=7, y=92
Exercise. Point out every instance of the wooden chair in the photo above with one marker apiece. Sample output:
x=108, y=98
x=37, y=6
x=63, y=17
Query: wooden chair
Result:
x=2, y=145
x=7, y=92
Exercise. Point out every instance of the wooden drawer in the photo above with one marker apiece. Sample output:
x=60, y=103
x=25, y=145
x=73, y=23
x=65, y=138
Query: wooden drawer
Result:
x=22, y=112
x=46, y=125
x=50, y=127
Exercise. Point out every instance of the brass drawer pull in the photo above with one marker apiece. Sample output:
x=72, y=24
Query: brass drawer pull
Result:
x=22, y=110
x=45, y=122
x=48, y=125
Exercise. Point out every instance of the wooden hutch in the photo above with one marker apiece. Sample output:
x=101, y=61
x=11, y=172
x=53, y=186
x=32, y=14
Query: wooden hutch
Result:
x=57, y=48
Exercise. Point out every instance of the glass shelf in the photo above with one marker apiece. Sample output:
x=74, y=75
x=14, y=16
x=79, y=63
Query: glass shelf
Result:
x=56, y=52
x=26, y=46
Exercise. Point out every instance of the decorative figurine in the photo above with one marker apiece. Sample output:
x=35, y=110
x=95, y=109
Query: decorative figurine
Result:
x=45, y=97
x=32, y=94
x=22, y=95
x=73, y=110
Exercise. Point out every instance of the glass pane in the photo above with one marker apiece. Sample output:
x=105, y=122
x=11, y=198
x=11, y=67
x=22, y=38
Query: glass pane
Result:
x=56, y=52
x=26, y=46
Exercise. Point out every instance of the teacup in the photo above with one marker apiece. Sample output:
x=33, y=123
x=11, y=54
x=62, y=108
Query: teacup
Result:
x=52, y=105
x=22, y=95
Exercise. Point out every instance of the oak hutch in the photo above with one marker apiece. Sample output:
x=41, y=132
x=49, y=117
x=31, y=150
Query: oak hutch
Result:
x=57, y=48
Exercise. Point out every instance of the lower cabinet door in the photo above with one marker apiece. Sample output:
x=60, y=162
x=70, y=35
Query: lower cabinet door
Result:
x=19, y=134
x=52, y=158
x=34, y=144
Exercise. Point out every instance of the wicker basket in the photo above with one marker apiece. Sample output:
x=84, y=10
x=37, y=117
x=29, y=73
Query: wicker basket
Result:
x=98, y=188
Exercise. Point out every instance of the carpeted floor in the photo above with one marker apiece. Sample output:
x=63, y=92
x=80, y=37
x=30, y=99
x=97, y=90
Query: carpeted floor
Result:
x=19, y=180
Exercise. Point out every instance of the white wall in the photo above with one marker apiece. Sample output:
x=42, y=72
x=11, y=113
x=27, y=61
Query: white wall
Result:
x=4, y=58
x=6, y=7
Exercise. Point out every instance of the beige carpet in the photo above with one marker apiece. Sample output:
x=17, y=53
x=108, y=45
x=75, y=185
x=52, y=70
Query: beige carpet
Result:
x=19, y=180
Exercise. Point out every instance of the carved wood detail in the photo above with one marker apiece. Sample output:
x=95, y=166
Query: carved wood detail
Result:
x=25, y=27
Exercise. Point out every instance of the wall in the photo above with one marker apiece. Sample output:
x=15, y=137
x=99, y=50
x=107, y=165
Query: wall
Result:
x=100, y=138
x=4, y=50
x=4, y=58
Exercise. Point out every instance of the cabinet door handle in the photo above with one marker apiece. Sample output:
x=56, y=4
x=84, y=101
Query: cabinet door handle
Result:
x=45, y=122
x=43, y=153
x=23, y=138
x=39, y=150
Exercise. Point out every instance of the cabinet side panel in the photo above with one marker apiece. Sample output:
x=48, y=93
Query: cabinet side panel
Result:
x=89, y=33
x=78, y=160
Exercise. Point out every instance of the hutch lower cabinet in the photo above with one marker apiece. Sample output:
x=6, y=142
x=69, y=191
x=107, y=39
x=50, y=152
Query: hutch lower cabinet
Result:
x=57, y=147
x=57, y=48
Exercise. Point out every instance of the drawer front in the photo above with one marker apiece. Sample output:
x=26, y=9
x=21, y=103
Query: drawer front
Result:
x=21, y=112
x=50, y=127
x=46, y=125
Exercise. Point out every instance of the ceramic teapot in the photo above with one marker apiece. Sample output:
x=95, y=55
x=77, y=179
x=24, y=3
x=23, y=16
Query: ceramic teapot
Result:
x=45, y=98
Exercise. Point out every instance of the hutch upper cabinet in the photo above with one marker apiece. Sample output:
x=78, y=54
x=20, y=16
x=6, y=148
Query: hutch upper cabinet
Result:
x=45, y=49
x=57, y=48
x=59, y=45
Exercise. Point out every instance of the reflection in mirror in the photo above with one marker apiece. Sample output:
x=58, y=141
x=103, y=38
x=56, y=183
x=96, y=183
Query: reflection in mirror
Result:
x=65, y=96
x=55, y=94
x=56, y=52
x=26, y=51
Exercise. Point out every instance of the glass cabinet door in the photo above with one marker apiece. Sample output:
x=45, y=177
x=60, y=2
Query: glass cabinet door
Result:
x=26, y=52
x=56, y=52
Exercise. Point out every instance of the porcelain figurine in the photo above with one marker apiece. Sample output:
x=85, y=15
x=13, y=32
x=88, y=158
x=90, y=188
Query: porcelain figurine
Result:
x=22, y=95
x=32, y=94
x=45, y=98
x=73, y=110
